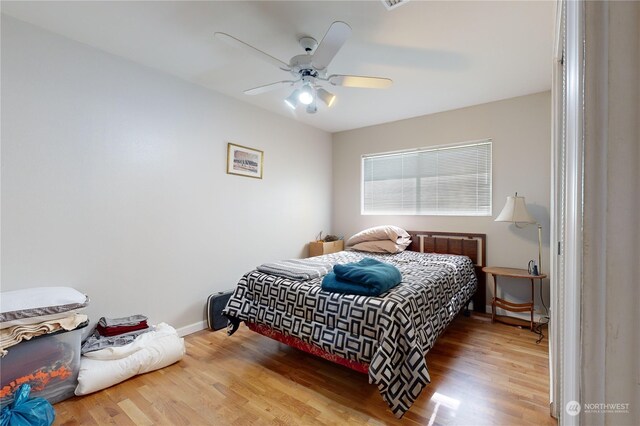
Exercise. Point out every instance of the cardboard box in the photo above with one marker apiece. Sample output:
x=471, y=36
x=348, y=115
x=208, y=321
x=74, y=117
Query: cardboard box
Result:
x=318, y=248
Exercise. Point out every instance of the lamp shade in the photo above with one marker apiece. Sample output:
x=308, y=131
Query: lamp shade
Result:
x=292, y=100
x=326, y=97
x=312, y=108
x=515, y=210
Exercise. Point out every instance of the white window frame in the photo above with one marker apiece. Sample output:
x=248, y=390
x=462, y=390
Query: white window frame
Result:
x=424, y=149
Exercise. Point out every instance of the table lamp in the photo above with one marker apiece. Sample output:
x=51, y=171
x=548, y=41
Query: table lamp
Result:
x=515, y=211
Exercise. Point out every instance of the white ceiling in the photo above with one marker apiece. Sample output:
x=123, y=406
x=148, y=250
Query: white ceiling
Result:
x=440, y=55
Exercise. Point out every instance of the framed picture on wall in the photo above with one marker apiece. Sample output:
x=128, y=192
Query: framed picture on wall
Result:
x=244, y=161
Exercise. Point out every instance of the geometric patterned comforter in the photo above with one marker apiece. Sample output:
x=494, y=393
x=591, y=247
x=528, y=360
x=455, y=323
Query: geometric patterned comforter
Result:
x=392, y=333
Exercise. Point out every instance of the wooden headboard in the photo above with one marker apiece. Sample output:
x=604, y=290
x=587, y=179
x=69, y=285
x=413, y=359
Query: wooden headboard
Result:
x=472, y=245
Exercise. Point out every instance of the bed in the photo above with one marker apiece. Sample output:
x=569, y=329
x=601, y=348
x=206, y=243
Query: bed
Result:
x=386, y=337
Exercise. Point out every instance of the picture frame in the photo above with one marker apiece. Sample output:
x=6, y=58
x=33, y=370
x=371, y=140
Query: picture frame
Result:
x=244, y=161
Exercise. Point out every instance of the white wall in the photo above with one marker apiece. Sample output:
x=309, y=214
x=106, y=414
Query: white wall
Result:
x=114, y=182
x=610, y=319
x=520, y=129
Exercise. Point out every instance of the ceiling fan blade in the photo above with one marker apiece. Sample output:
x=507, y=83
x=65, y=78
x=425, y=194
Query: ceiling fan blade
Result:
x=252, y=50
x=268, y=87
x=333, y=40
x=360, y=81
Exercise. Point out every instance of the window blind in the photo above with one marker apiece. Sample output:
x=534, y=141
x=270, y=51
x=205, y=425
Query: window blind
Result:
x=442, y=181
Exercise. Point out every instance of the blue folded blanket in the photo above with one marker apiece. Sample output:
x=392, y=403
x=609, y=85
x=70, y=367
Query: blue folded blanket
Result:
x=368, y=277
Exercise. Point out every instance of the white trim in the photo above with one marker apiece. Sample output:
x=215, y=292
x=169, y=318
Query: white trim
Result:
x=556, y=208
x=570, y=292
x=191, y=328
x=430, y=148
x=558, y=45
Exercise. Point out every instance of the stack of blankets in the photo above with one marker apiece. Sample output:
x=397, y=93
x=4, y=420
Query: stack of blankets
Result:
x=32, y=312
x=121, y=348
x=113, y=332
x=368, y=277
x=116, y=326
x=296, y=269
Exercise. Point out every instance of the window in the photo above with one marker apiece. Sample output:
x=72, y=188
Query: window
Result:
x=441, y=181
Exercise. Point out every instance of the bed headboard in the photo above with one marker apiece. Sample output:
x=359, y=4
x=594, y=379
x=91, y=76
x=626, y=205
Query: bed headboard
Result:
x=472, y=245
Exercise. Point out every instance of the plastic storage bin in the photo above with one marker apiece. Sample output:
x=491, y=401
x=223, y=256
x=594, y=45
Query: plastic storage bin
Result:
x=49, y=363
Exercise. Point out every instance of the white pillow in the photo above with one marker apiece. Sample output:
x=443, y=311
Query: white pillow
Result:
x=377, y=233
x=382, y=246
x=141, y=342
x=39, y=302
x=96, y=374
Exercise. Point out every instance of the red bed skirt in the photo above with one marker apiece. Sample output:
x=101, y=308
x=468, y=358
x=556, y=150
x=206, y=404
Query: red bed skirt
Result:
x=307, y=347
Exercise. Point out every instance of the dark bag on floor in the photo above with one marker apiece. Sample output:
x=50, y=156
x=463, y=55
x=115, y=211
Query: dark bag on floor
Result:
x=215, y=304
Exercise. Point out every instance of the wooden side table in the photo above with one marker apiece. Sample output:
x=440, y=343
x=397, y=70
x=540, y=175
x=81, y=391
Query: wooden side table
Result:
x=497, y=302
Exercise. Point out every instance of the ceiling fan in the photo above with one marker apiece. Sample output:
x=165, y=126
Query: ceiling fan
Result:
x=310, y=69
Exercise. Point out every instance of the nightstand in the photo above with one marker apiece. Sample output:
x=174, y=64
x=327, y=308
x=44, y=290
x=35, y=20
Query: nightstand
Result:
x=318, y=248
x=497, y=302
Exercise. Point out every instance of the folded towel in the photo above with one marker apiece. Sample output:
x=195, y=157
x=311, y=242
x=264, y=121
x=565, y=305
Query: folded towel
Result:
x=296, y=269
x=120, y=329
x=367, y=277
x=96, y=341
x=369, y=271
x=335, y=285
x=130, y=320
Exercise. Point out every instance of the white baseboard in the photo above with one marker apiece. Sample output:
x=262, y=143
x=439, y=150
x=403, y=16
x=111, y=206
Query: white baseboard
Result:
x=520, y=315
x=191, y=328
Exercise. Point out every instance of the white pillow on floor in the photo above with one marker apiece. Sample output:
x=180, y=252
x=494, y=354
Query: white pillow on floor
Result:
x=159, y=352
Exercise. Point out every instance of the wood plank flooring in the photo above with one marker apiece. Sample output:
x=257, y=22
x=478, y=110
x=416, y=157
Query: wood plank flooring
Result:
x=481, y=373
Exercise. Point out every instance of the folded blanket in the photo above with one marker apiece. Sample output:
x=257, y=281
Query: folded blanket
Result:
x=120, y=329
x=368, y=277
x=96, y=341
x=130, y=320
x=140, y=342
x=13, y=335
x=296, y=269
x=157, y=351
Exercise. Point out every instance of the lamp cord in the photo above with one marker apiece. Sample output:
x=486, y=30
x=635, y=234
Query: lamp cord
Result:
x=538, y=328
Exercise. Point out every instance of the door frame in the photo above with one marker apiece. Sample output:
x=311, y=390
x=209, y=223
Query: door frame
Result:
x=567, y=207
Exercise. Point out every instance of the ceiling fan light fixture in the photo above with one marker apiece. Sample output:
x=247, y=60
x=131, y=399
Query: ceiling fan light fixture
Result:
x=312, y=108
x=306, y=94
x=327, y=97
x=292, y=100
x=311, y=67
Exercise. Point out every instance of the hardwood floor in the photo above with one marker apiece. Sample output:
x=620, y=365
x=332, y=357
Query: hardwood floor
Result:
x=481, y=373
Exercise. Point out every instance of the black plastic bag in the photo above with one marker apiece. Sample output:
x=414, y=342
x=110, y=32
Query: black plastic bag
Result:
x=27, y=412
